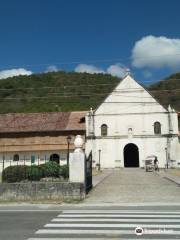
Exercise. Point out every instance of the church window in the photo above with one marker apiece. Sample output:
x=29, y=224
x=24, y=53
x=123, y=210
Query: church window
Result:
x=130, y=130
x=16, y=157
x=33, y=159
x=104, y=130
x=157, y=128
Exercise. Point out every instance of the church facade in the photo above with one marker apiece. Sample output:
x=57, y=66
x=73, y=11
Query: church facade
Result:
x=131, y=125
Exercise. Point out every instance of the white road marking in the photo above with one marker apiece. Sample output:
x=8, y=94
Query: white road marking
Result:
x=30, y=210
x=113, y=220
x=111, y=232
x=117, y=215
x=108, y=225
x=100, y=238
x=120, y=211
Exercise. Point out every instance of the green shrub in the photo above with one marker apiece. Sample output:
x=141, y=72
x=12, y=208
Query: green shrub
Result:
x=64, y=171
x=34, y=173
x=15, y=174
x=50, y=169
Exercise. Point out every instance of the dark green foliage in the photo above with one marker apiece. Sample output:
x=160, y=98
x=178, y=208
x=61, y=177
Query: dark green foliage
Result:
x=50, y=169
x=72, y=91
x=34, y=172
x=168, y=91
x=15, y=174
x=60, y=91
x=64, y=171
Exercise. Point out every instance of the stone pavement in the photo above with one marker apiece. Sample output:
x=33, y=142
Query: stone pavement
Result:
x=171, y=177
x=134, y=185
x=100, y=177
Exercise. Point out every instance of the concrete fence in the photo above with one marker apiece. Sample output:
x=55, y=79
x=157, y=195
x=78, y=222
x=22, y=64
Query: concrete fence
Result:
x=41, y=191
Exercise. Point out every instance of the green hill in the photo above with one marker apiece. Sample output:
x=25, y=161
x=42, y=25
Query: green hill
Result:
x=61, y=91
x=167, y=91
x=56, y=91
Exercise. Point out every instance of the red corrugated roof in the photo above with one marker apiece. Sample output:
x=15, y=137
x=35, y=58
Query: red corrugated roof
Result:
x=41, y=122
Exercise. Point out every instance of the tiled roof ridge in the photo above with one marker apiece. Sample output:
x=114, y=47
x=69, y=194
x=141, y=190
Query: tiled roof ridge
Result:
x=37, y=113
x=41, y=122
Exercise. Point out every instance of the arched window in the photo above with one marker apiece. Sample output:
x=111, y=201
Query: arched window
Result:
x=130, y=131
x=157, y=128
x=16, y=157
x=104, y=130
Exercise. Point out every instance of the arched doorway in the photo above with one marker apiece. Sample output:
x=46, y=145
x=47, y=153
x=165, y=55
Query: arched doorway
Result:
x=131, y=155
x=55, y=158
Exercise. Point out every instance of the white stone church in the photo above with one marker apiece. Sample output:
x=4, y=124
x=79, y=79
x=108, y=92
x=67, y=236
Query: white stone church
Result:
x=131, y=125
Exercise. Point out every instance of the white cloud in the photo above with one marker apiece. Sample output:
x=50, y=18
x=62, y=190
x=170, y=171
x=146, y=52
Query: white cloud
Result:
x=147, y=74
x=156, y=52
x=88, y=69
x=117, y=70
x=51, y=68
x=14, y=72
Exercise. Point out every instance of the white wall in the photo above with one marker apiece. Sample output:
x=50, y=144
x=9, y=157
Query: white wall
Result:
x=112, y=151
x=142, y=124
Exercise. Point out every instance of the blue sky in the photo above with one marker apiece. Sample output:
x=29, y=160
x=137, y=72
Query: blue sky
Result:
x=108, y=35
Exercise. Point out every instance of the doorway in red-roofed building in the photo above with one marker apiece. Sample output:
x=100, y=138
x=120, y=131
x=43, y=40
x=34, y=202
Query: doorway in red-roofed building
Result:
x=55, y=158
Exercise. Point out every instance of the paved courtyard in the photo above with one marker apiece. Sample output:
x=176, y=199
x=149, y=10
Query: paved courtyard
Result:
x=134, y=185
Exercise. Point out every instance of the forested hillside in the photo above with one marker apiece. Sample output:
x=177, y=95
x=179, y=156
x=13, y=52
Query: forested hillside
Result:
x=168, y=91
x=56, y=91
x=61, y=91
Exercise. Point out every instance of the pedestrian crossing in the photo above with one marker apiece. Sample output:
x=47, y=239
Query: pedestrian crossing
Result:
x=111, y=224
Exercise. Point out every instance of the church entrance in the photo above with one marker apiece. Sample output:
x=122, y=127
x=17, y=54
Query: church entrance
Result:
x=131, y=155
x=55, y=158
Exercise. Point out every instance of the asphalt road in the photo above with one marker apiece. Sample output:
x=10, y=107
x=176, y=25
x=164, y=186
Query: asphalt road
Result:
x=80, y=222
x=20, y=225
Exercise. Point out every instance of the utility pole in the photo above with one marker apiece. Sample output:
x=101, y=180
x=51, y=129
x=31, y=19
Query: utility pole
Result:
x=68, y=143
x=99, y=165
x=3, y=161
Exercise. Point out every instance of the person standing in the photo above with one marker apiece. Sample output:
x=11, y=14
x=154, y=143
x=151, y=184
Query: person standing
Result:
x=156, y=168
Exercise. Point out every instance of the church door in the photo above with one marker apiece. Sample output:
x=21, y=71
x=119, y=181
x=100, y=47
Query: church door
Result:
x=131, y=155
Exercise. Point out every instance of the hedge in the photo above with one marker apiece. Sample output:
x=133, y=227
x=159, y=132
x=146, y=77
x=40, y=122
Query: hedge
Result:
x=15, y=173
x=50, y=169
x=64, y=171
x=34, y=173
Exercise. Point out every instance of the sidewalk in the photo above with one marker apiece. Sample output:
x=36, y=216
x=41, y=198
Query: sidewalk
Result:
x=132, y=185
x=169, y=176
x=100, y=177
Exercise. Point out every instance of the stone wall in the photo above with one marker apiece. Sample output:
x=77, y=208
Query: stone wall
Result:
x=41, y=191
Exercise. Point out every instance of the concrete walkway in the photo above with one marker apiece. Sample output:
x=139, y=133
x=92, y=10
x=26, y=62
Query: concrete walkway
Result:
x=134, y=185
x=169, y=176
x=100, y=177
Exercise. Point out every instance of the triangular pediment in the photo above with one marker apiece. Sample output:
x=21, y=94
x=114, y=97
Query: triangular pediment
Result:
x=129, y=97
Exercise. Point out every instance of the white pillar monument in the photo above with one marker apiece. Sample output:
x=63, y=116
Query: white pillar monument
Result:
x=77, y=162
